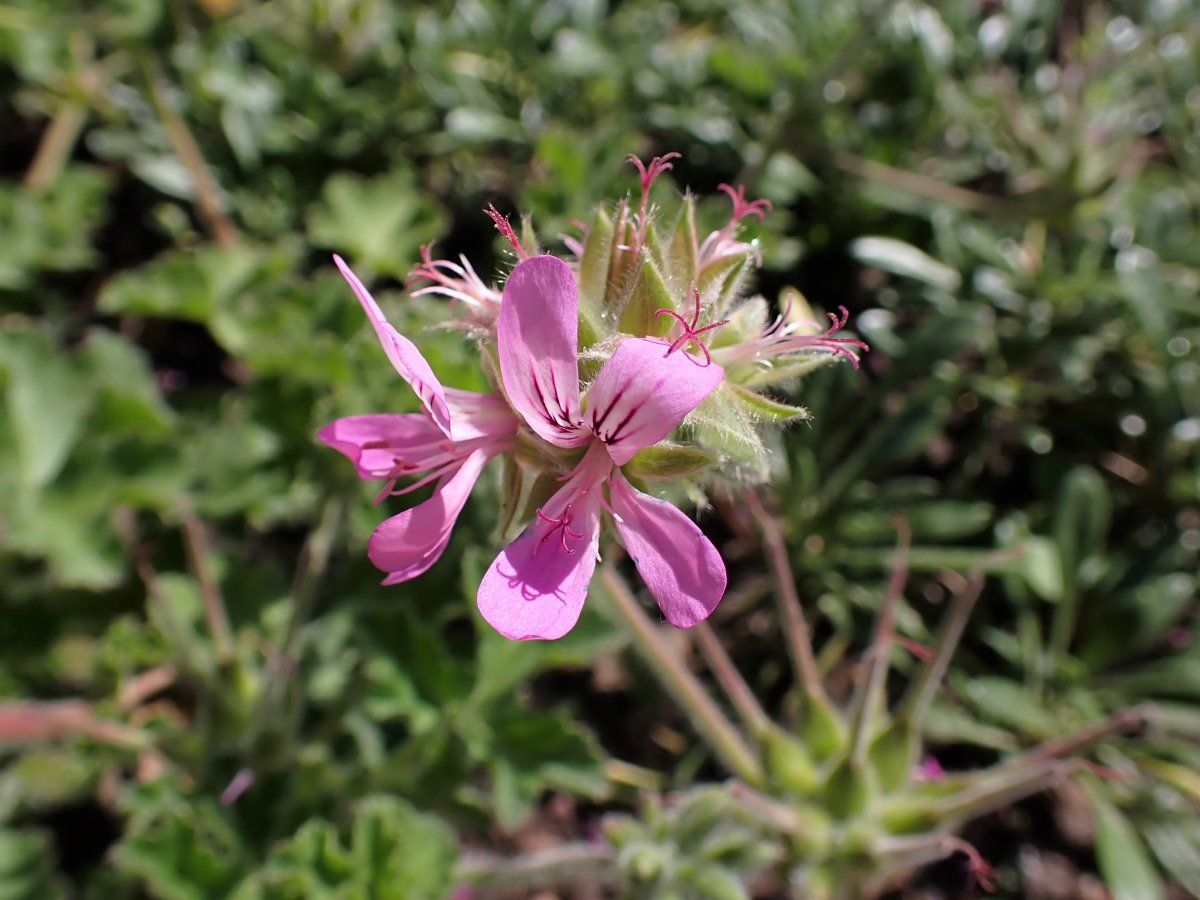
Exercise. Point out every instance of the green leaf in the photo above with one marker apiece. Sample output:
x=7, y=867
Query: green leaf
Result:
x=904, y=259
x=51, y=229
x=1124, y=863
x=48, y=402
x=1010, y=704
x=400, y=853
x=379, y=223
x=27, y=866
x=1081, y=521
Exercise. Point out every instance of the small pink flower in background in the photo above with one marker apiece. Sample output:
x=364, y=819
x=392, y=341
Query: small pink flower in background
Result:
x=536, y=587
x=457, y=282
x=450, y=442
x=930, y=771
x=723, y=243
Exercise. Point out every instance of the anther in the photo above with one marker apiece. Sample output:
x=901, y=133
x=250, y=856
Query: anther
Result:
x=564, y=523
x=690, y=331
x=505, y=228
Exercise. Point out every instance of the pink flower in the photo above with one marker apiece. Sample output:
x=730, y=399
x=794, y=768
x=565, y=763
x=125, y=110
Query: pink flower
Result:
x=450, y=442
x=537, y=585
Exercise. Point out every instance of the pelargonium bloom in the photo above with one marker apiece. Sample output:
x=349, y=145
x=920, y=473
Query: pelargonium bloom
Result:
x=664, y=315
x=450, y=442
x=537, y=585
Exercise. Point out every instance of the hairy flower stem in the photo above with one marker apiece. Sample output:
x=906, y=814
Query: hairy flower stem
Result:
x=208, y=195
x=675, y=676
x=921, y=692
x=1118, y=722
x=752, y=714
x=998, y=789
x=870, y=698
x=56, y=145
x=590, y=863
x=796, y=634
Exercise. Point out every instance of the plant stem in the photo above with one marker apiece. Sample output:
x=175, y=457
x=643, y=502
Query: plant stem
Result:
x=881, y=647
x=920, y=693
x=208, y=195
x=58, y=141
x=593, y=863
x=681, y=683
x=752, y=714
x=195, y=539
x=795, y=629
x=998, y=789
x=1124, y=720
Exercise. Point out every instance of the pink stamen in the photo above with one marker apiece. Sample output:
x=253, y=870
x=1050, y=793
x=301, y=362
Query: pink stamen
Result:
x=564, y=523
x=505, y=228
x=690, y=331
x=977, y=868
x=658, y=166
x=920, y=651
x=742, y=207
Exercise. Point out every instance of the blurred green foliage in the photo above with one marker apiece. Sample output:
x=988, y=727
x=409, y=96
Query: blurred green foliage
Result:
x=1005, y=194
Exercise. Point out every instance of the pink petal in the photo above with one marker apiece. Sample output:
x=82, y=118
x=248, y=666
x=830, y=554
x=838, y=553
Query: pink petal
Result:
x=479, y=415
x=403, y=353
x=536, y=587
x=379, y=444
x=682, y=568
x=407, y=544
x=640, y=395
x=537, y=333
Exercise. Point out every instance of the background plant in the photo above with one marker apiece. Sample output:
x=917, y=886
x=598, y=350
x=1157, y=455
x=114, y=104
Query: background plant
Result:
x=1004, y=195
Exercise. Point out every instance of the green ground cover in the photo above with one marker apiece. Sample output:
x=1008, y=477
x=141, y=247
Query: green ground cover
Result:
x=204, y=690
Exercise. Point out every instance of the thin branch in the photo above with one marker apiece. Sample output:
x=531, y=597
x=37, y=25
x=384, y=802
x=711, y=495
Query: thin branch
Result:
x=795, y=629
x=706, y=717
x=208, y=195
x=593, y=863
x=881, y=647
x=923, y=186
x=920, y=694
x=57, y=144
x=195, y=539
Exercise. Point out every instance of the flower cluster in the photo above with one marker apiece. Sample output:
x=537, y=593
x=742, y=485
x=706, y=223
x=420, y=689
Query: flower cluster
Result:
x=600, y=361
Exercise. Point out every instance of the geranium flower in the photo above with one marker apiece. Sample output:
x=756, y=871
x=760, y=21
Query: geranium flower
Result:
x=537, y=585
x=450, y=442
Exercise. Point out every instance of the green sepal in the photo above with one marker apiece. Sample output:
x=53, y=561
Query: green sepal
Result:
x=622, y=261
x=893, y=755
x=788, y=371
x=680, y=251
x=512, y=482
x=720, y=282
x=822, y=729
x=848, y=791
x=721, y=424
x=764, y=409
x=529, y=241
x=593, y=279
x=789, y=765
x=649, y=294
x=668, y=462
x=906, y=813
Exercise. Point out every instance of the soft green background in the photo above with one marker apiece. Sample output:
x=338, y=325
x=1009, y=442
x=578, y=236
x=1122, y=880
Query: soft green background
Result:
x=1005, y=194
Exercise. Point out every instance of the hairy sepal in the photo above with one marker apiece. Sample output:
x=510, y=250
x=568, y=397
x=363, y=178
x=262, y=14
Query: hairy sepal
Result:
x=668, y=462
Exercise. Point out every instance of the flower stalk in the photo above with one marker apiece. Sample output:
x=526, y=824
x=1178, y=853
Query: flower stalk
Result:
x=708, y=720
